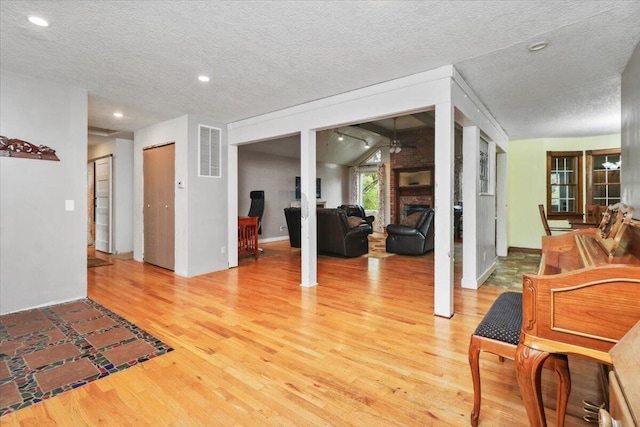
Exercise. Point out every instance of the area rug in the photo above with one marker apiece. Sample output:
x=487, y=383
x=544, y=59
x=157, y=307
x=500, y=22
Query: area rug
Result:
x=379, y=255
x=378, y=246
x=47, y=351
x=97, y=262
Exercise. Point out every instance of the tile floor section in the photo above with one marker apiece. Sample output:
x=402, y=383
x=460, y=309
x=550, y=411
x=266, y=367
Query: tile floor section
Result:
x=509, y=270
x=47, y=351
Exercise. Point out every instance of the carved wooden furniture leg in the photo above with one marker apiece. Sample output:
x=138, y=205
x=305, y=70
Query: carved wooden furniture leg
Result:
x=474, y=363
x=560, y=364
x=529, y=363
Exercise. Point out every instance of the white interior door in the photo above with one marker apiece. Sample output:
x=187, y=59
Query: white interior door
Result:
x=91, y=199
x=103, y=205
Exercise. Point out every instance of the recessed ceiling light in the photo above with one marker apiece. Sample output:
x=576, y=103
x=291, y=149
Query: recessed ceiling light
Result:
x=36, y=20
x=203, y=78
x=538, y=46
x=118, y=115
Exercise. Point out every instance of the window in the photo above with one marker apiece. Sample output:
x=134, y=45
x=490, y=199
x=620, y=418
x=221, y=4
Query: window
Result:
x=369, y=187
x=603, y=177
x=564, y=184
x=484, y=166
x=374, y=159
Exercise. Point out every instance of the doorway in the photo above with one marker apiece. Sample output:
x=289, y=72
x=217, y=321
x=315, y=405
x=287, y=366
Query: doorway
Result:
x=100, y=204
x=159, y=206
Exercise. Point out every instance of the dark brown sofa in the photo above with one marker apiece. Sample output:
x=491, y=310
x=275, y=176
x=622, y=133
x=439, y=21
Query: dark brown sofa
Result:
x=335, y=236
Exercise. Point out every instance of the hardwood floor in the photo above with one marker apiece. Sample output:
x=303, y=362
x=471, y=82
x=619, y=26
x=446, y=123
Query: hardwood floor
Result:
x=254, y=348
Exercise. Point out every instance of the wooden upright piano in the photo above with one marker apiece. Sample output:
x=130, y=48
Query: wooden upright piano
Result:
x=585, y=297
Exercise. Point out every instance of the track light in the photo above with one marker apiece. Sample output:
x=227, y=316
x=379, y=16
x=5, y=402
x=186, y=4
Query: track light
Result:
x=342, y=135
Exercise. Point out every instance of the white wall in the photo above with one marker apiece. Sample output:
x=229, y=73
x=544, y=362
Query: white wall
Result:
x=174, y=130
x=276, y=176
x=207, y=207
x=630, y=144
x=200, y=207
x=122, y=197
x=43, y=258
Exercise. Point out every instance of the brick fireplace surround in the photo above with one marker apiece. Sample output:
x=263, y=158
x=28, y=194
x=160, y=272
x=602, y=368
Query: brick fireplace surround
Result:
x=421, y=156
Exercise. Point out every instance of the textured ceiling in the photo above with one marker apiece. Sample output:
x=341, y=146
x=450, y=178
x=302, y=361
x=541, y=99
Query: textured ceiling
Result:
x=142, y=57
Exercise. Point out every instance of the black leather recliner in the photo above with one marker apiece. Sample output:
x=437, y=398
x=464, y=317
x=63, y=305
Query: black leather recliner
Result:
x=407, y=240
x=335, y=236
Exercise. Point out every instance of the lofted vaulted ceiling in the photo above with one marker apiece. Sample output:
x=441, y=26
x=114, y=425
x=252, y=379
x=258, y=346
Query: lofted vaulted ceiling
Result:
x=143, y=57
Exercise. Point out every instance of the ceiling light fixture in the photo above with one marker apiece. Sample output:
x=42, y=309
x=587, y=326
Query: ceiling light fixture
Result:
x=538, y=46
x=36, y=20
x=395, y=147
x=118, y=114
x=203, y=78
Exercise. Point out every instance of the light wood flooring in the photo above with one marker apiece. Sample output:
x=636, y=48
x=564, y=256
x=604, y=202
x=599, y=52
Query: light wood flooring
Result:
x=253, y=348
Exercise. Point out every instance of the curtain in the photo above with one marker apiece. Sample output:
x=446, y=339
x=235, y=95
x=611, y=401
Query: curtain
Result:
x=382, y=185
x=354, y=189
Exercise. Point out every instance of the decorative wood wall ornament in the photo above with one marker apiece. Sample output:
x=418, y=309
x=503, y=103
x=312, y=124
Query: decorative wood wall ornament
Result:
x=26, y=150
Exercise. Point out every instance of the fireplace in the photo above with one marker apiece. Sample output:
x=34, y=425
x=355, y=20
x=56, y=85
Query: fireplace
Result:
x=413, y=191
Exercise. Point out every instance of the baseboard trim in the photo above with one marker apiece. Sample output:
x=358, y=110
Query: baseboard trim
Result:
x=524, y=250
x=273, y=239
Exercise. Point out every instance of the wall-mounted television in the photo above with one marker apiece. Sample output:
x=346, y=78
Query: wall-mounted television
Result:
x=318, y=188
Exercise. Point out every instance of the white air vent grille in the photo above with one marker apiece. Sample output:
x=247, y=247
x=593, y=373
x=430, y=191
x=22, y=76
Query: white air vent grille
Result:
x=209, y=152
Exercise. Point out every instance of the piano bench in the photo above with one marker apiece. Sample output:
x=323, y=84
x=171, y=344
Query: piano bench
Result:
x=498, y=333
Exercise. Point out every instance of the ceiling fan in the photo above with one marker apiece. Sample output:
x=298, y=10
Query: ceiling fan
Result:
x=395, y=145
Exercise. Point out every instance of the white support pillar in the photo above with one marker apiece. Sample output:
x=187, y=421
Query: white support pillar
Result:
x=443, y=257
x=502, y=248
x=308, y=208
x=470, y=155
x=232, y=198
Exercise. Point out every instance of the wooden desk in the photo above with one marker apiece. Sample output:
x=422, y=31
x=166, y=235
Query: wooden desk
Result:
x=248, y=235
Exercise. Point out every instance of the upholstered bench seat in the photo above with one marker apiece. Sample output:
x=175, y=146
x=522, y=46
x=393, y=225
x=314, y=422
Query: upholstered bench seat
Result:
x=503, y=321
x=498, y=333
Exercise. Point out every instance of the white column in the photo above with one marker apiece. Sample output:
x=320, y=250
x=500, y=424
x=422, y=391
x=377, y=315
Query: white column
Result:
x=443, y=257
x=502, y=248
x=308, y=208
x=232, y=198
x=470, y=156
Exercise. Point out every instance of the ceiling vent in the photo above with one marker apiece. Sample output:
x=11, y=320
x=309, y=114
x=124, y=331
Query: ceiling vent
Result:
x=209, y=152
